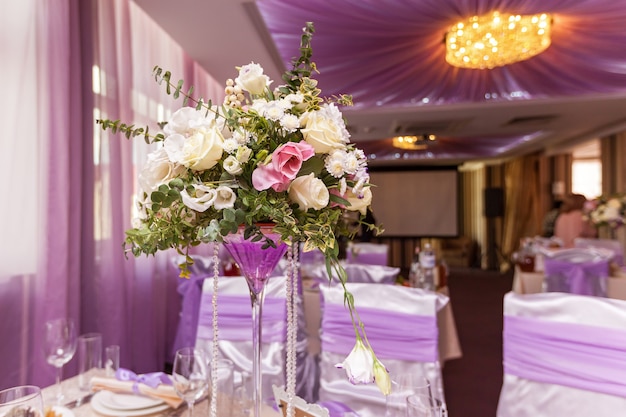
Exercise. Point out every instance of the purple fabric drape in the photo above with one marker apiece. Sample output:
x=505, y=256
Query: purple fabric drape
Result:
x=416, y=341
x=569, y=354
x=584, y=278
x=234, y=318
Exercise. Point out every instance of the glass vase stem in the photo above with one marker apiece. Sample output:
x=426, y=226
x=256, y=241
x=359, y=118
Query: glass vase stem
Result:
x=257, y=311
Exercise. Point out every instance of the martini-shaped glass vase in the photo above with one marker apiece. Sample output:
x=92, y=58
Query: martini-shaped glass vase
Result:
x=256, y=262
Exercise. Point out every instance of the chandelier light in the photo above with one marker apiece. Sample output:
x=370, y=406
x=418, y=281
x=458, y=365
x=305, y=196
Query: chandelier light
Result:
x=497, y=39
x=413, y=143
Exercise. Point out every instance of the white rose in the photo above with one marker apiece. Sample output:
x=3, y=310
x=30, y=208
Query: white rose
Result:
x=252, y=79
x=309, y=192
x=359, y=202
x=232, y=165
x=225, y=197
x=186, y=120
x=204, y=197
x=158, y=170
x=325, y=129
x=199, y=151
x=611, y=213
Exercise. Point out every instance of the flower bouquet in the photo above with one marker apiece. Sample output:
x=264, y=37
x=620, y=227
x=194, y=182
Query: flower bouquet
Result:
x=265, y=155
x=607, y=211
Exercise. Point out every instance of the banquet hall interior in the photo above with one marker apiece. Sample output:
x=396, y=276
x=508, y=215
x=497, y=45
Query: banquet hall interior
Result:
x=467, y=155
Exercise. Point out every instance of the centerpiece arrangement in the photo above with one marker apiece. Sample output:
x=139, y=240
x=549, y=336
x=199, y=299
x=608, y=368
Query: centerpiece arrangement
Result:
x=607, y=211
x=268, y=169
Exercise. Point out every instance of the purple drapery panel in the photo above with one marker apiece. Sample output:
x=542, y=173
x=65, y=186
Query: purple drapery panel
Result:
x=574, y=355
x=392, y=335
x=85, y=187
x=234, y=318
x=584, y=278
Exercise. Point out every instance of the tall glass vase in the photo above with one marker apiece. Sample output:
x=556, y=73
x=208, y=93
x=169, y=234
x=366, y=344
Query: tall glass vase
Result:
x=256, y=263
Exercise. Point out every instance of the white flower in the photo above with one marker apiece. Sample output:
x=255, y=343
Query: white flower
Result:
x=334, y=163
x=232, y=165
x=309, y=192
x=359, y=365
x=203, y=200
x=381, y=377
x=158, y=170
x=252, y=79
x=273, y=111
x=242, y=138
x=352, y=163
x=359, y=202
x=230, y=145
x=225, y=197
x=325, y=129
x=614, y=203
x=290, y=123
x=243, y=154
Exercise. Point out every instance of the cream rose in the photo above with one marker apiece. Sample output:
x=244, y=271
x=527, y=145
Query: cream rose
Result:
x=199, y=151
x=232, y=165
x=252, y=79
x=158, y=170
x=309, y=192
x=360, y=202
x=325, y=129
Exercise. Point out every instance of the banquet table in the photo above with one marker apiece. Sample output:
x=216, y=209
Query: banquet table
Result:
x=532, y=282
x=72, y=392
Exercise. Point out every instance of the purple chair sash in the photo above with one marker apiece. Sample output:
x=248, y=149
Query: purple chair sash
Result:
x=191, y=292
x=579, y=276
x=234, y=317
x=393, y=335
x=569, y=354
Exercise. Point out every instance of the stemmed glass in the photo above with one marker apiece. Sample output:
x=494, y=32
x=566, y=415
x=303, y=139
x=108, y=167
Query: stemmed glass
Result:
x=59, y=347
x=190, y=375
x=21, y=401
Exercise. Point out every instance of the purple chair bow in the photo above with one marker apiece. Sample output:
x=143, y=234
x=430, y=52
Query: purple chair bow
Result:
x=577, y=276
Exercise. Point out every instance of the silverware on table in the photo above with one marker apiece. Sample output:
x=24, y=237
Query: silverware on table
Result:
x=79, y=401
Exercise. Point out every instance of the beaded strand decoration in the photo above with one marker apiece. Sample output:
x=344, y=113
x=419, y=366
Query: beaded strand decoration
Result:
x=214, y=352
x=292, y=325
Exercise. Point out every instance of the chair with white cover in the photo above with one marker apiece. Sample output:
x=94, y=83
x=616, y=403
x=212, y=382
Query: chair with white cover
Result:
x=235, y=327
x=356, y=272
x=401, y=325
x=583, y=271
x=613, y=245
x=563, y=356
x=367, y=253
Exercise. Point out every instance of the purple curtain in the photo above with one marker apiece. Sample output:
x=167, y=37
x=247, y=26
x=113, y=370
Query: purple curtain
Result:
x=81, y=195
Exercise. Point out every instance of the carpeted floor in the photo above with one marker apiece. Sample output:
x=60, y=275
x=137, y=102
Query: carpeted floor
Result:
x=472, y=383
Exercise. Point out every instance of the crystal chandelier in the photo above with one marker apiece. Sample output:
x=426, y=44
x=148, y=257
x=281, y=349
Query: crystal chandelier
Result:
x=497, y=39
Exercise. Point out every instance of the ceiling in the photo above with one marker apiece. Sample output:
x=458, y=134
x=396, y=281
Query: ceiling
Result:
x=391, y=60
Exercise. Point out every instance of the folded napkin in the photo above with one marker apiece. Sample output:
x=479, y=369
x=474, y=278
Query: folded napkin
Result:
x=155, y=385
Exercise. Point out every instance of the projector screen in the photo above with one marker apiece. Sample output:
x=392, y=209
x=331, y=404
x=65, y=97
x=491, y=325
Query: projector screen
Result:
x=416, y=203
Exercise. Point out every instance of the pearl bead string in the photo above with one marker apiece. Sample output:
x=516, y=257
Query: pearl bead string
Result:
x=292, y=325
x=214, y=351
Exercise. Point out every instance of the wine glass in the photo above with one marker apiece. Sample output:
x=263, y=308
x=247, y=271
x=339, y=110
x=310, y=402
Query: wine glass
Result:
x=22, y=401
x=190, y=375
x=59, y=347
x=419, y=405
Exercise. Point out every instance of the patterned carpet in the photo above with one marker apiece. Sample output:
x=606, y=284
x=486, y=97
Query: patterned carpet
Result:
x=472, y=383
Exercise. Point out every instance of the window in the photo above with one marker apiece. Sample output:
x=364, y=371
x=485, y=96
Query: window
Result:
x=587, y=169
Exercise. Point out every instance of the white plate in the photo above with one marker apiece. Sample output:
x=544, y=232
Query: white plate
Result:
x=103, y=407
x=126, y=401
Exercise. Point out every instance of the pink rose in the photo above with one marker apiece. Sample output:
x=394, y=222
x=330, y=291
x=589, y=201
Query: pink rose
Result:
x=286, y=163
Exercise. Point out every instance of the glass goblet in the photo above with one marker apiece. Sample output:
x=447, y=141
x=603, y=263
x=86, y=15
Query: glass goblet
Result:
x=22, y=401
x=190, y=375
x=59, y=347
